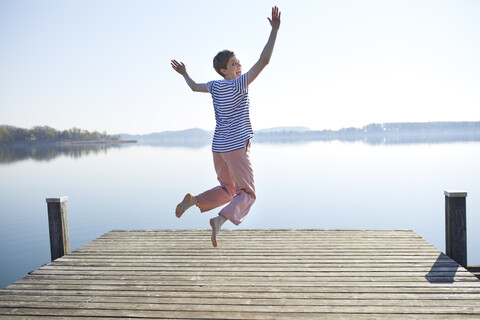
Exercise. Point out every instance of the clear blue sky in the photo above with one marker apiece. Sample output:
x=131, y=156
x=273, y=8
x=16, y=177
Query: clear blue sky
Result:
x=105, y=64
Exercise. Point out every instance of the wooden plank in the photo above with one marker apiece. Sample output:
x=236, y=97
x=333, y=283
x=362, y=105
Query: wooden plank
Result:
x=255, y=274
x=92, y=308
x=235, y=296
x=233, y=300
x=222, y=314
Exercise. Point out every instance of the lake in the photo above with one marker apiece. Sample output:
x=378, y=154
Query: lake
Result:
x=332, y=184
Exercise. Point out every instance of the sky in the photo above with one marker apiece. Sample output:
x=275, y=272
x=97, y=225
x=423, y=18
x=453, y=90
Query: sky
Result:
x=105, y=64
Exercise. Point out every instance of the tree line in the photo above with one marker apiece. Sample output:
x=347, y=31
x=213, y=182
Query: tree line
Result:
x=45, y=134
x=386, y=133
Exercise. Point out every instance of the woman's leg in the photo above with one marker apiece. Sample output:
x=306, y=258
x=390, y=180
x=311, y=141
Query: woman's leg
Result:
x=219, y=195
x=214, y=197
x=241, y=172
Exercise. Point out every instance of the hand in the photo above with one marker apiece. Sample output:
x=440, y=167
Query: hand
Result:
x=275, y=21
x=179, y=67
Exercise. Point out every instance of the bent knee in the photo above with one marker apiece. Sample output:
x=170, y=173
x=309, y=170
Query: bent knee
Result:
x=230, y=192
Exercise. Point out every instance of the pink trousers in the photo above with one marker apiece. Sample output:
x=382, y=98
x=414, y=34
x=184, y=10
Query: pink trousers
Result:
x=235, y=174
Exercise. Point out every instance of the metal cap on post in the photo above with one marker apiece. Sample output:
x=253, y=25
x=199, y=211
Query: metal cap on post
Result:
x=456, y=226
x=58, y=227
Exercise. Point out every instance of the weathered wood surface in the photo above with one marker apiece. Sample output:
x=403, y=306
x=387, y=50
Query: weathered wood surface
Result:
x=475, y=270
x=58, y=227
x=456, y=226
x=254, y=274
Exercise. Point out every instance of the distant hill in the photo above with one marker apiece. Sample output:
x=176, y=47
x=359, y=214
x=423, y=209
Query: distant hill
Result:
x=164, y=135
x=190, y=138
x=195, y=137
x=284, y=129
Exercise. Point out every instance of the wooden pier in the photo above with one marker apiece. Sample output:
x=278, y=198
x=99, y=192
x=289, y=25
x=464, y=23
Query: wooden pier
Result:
x=254, y=274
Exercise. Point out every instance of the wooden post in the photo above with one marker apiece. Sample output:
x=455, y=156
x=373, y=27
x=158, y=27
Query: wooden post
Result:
x=58, y=227
x=456, y=226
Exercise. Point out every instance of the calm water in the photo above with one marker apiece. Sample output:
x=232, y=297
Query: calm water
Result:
x=311, y=185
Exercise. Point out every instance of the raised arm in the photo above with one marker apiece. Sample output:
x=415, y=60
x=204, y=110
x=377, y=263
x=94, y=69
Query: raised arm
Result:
x=180, y=68
x=267, y=51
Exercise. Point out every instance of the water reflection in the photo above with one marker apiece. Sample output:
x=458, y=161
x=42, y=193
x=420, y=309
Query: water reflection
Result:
x=47, y=152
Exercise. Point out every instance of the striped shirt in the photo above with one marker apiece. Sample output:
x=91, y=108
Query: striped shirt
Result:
x=231, y=105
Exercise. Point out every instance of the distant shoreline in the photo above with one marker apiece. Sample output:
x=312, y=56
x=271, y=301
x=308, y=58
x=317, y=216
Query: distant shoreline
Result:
x=93, y=142
x=375, y=133
x=67, y=143
x=47, y=136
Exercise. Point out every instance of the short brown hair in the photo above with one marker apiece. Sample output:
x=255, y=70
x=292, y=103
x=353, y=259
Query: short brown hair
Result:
x=221, y=59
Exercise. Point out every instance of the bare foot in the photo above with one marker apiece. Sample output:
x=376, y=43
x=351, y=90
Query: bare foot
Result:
x=188, y=201
x=216, y=223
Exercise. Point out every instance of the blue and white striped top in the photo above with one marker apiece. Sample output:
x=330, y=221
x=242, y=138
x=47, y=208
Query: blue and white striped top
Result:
x=231, y=105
